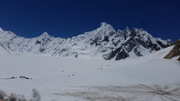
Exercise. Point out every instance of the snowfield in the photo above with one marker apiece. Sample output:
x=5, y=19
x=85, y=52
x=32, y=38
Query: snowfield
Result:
x=148, y=78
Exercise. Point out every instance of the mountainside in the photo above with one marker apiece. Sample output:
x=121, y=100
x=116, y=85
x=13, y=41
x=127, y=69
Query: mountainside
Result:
x=174, y=52
x=103, y=42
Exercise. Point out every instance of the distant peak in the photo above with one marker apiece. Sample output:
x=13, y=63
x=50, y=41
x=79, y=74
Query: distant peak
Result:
x=45, y=34
x=127, y=29
x=103, y=23
x=106, y=26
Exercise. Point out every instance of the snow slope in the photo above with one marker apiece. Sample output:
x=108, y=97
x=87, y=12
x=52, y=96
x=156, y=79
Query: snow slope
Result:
x=87, y=79
x=2, y=50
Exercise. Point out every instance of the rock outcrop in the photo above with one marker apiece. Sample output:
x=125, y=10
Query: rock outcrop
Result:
x=174, y=52
x=178, y=58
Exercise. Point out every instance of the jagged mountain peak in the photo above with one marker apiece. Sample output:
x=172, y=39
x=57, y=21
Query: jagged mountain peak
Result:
x=45, y=34
x=6, y=35
x=140, y=33
x=127, y=29
x=103, y=23
x=104, y=30
x=105, y=26
x=99, y=33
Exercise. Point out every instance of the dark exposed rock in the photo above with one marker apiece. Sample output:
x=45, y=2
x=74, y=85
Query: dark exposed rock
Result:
x=38, y=42
x=127, y=33
x=174, y=52
x=142, y=43
x=153, y=46
x=133, y=33
x=41, y=50
x=134, y=44
x=178, y=58
x=120, y=52
x=130, y=44
x=112, y=54
x=95, y=41
x=161, y=44
x=138, y=53
x=111, y=33
x=21, y=77
x=24, y=77
x=106, y=39
x=122, y=55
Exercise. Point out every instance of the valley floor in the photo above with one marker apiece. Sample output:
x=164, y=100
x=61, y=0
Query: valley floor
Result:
x=148, y=78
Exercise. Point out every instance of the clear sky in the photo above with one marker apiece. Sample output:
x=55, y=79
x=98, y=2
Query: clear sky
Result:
x=67, y=18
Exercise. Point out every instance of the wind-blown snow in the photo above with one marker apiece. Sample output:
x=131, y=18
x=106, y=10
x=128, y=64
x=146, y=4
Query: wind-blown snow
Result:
x=70, y=79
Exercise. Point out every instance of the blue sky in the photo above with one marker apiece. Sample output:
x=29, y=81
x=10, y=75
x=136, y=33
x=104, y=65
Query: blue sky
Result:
x=67, y=18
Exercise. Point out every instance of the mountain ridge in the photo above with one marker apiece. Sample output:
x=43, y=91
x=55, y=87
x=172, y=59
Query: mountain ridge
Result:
x=103, y=42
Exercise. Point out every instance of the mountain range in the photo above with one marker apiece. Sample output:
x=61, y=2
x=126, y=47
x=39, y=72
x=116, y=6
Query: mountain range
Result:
x=104, y=42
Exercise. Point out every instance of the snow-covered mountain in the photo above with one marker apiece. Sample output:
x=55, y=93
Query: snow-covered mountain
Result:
x=147, y=78
x=103, y=42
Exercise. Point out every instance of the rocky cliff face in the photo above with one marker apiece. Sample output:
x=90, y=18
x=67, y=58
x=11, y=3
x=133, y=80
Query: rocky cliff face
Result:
x=178, y=58
x=174, y=52
x=137, y=43
x=103, y=42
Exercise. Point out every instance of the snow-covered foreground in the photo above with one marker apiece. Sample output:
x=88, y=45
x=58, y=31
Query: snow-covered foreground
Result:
x=148, y=78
